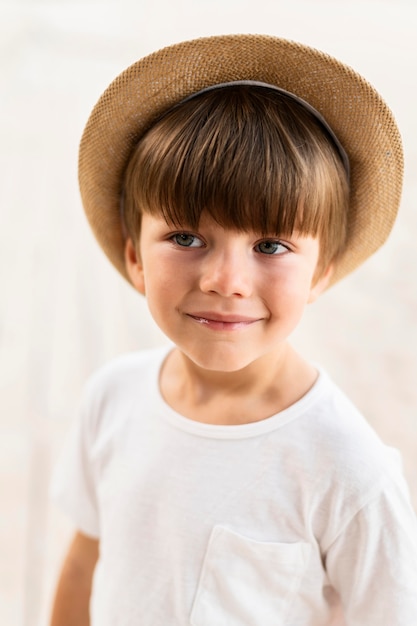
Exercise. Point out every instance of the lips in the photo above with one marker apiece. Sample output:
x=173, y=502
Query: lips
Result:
x=220, y=321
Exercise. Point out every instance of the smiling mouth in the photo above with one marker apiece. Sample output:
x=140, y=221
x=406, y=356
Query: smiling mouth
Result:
x=221, y=322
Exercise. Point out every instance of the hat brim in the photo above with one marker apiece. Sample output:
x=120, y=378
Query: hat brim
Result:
x=354, y=110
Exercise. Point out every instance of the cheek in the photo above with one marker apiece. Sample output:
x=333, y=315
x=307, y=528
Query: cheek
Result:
x=163, y=289
x=288, y=299
x=158, y=287
x=289, y=284
x=161, y=312
x=169, y=278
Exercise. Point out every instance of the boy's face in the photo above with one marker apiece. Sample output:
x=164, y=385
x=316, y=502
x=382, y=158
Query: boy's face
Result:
x=226, y=298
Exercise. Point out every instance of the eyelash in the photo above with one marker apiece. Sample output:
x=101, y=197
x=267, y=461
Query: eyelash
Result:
x=174, y=238
x=272, y=242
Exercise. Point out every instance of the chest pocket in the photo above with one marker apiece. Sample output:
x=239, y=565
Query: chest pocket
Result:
x=246, y=582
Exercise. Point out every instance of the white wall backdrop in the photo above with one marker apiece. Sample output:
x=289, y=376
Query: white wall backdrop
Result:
x=63, y=309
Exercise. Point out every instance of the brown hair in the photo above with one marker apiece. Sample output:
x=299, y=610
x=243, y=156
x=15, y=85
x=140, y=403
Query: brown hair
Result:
x=253, y=158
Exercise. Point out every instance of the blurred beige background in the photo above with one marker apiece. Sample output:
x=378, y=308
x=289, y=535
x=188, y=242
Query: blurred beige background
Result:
x=64, y=311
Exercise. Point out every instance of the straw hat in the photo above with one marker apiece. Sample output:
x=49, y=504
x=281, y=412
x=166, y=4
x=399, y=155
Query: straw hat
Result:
x=352, y=108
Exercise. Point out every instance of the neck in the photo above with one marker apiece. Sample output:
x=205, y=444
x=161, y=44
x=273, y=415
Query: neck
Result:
x=259, y=390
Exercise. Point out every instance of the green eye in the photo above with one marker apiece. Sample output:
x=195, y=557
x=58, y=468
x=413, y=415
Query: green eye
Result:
x=271, y=247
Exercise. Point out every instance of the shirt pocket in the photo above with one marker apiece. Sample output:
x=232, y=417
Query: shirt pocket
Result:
x=247, y=583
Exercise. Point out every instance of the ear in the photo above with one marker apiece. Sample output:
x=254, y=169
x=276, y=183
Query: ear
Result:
x=320, y=284
x=134, y=266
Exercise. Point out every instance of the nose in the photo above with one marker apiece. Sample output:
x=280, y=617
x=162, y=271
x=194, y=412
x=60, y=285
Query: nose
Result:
x=227, y=272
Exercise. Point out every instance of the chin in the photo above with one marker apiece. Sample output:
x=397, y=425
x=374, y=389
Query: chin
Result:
x=221, y=362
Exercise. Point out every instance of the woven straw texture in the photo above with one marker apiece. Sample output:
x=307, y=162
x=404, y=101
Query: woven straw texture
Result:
x=357, y=114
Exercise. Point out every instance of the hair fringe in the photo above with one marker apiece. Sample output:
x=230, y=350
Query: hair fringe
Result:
x=248, y=156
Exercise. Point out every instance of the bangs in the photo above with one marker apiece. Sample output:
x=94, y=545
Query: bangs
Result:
x=250, y=157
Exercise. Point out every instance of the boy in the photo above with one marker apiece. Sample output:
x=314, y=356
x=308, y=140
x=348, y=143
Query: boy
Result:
x=225, y=480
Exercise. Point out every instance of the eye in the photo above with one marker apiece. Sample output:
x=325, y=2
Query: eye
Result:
x=185, y=240
x=271, y=247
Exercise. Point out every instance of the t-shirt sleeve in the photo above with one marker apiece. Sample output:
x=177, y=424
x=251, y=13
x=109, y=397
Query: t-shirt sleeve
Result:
x=73, y=487
x=373, y=561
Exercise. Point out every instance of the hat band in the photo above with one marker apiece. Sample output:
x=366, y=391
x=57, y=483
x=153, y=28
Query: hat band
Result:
x=340, y=149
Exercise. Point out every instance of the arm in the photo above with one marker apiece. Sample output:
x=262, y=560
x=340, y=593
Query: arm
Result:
x=72, y=598
x=373, y=563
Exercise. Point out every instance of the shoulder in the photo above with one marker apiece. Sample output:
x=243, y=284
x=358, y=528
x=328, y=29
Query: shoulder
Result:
x=345, y=436
x=351, y=465
x=124, y=369
x=116, y=384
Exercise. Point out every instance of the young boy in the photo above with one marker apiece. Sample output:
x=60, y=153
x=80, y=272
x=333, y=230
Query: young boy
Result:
x=225, y=480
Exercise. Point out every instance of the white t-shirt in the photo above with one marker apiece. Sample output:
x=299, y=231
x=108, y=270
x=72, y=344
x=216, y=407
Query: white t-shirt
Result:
x=301, y=519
